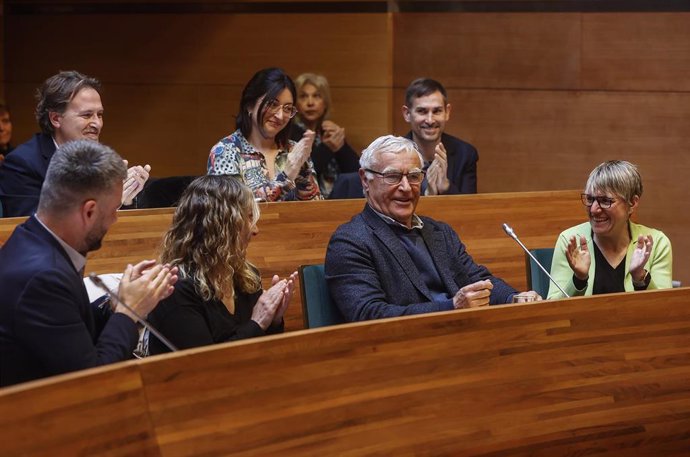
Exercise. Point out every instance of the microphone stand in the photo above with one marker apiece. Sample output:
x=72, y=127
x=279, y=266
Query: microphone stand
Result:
x=113, y=296
x=509, y=231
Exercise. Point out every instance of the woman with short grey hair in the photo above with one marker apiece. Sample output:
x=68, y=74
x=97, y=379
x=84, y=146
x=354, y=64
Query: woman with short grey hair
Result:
x=610, y=253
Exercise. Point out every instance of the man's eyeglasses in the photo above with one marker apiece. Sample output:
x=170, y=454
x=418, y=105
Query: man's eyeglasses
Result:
x=604, y=202
x=288, y=108
x=393, y=177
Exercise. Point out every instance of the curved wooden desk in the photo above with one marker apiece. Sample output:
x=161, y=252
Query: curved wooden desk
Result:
x=296, y=233
x=585, y=376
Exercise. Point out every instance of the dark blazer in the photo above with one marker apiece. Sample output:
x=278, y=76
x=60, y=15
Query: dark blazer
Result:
x=462, y=165
x=47, y=325
x=188, y=320
x=370, y=275
x=22, y=175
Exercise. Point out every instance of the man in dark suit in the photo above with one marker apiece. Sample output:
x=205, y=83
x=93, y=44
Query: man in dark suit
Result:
x=69, y=108
x=47, y=325
x=388, y=261
x=450, y=163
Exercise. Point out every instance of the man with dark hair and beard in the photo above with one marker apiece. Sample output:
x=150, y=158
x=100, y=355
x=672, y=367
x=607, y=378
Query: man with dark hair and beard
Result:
x=449, y=162
x=47, y=325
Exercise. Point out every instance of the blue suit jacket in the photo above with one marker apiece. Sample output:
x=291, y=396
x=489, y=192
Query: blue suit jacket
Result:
x=22, y=175
x=370, y=275
x=462, y=165
x=47, y=325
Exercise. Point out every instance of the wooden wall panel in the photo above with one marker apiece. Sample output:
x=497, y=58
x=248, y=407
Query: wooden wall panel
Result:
x=497, y=50
x=550, y=94
x=170, y=95
x=636, y=51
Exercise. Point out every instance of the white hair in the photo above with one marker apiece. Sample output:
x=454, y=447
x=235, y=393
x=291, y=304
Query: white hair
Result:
x=387, y=143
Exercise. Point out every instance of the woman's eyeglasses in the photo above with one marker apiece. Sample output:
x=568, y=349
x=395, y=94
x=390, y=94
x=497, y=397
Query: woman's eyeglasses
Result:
x=393, y=177
x=288, y=109
x=604, y=202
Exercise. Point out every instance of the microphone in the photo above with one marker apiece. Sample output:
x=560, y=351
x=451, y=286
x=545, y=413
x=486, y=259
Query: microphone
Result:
x=509, y=231
x=113, y=296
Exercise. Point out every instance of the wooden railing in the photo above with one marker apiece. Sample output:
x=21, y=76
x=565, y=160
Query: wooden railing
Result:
x=296, y=233
x=604, y=375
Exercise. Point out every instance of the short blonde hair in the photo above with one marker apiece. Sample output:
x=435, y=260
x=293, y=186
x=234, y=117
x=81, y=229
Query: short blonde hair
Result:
x=321, y=84
x=616, y=176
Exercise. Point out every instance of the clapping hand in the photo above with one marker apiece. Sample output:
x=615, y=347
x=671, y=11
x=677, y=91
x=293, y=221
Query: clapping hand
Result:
x=640, y=255
x=333, y=135
x=134, y=183
x=272, y=303
x=144, y=285
x=299, y=154
x=437, y=173
x=578, y=257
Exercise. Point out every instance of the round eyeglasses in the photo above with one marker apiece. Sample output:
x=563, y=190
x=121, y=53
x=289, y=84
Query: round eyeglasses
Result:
x=288, y=109
x=393, y=178
x=604, y=202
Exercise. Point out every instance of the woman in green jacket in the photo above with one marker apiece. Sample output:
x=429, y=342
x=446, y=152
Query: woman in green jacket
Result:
x=610, y=253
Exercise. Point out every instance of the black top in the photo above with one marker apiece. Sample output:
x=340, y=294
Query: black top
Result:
x=607, y=279
x=188, y=321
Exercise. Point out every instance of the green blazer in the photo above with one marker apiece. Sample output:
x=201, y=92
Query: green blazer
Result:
x=659, y=265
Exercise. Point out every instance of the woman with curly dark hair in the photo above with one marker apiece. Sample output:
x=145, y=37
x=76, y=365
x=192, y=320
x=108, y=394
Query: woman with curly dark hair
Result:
x=218, y=296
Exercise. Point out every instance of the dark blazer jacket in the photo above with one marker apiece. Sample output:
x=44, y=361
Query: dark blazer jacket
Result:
x=47, y=325
x=370, y=275
x=462, y=165
x=22, y=175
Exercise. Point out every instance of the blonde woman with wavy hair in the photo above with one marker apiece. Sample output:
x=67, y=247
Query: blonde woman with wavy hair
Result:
x=218, y=297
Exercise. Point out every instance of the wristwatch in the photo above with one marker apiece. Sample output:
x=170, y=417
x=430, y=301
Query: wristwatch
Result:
x=645, y=281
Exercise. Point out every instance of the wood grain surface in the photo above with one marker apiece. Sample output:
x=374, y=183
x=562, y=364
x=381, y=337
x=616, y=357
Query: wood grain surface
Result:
x=605, y=375
x=297, y=233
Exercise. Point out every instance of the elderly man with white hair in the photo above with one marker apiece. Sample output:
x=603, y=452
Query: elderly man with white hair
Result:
x=388, y=261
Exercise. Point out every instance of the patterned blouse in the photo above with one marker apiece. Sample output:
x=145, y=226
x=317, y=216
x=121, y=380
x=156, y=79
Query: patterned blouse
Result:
x=233, y=155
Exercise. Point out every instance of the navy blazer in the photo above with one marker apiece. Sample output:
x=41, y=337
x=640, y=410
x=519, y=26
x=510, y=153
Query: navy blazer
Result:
x=462, y=165
x=22, y=175
x=47, y=325
x=370, y=275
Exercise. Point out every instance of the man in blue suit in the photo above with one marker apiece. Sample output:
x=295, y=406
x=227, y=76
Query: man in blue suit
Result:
x=450, y=163
x=69, y=108
x=47, y=325
x=388, y=261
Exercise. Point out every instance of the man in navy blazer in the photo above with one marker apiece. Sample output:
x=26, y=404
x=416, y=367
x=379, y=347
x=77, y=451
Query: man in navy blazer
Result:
x=388, y=261
x=450, y=163
x=47, y=325
x=69, y=108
